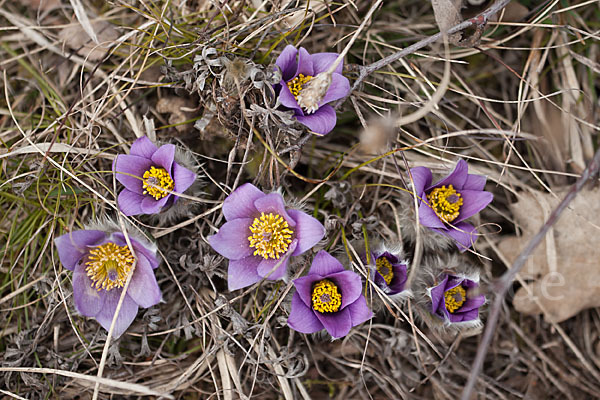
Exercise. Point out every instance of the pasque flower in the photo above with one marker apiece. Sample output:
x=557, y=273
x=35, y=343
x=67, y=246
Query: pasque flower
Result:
x=261, y=234
x=445, y=205
x=101, y=261
x=149, y=174
x=328, y=297
x=453, y=299
x=388, y=272
x=298, y=69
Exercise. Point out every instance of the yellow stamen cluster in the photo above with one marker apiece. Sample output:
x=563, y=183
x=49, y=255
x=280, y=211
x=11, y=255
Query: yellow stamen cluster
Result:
x=295, y=84
x=325, y=297
x=108, y=266
x=455, y=298
x=271, y=235
x=446, y=203
x=384, y=267
x=157, y=182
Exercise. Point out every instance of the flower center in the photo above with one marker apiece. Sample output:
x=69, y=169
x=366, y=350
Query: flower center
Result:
x=157, y=182
x=384, y=267
x=445, y=202
x=295, y=84
x=325, y=297
x=108, y=266
x=271, y=235
x=455, y=298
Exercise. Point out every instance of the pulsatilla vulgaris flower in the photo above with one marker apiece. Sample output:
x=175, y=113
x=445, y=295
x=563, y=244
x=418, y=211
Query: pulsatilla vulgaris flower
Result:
x=388, y=272
x=149, y=174
x=299, y=70
x=329, y=297
x=446, y=204
x=261, y=234
x=453, y=301
x=101, y=262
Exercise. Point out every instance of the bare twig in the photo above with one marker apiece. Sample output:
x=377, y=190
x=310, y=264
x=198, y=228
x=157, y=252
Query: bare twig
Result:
x=504, y=283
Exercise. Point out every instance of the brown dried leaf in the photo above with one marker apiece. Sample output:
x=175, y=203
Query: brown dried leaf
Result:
x=564, y=267
x=77, y=39
x=447, y=15
x=179, y=110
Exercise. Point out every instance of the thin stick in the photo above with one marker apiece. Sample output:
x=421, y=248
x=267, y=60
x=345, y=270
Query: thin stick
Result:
x=502, y=285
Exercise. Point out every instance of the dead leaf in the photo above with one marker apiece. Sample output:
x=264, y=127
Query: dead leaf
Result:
x=179, y=110
x=77, y=39
x=447, y=15
x=564, y=267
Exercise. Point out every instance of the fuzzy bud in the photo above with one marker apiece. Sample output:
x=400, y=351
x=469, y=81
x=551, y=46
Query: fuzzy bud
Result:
x=313, y=92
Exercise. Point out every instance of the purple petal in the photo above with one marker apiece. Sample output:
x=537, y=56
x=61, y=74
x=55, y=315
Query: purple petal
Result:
x=232, y=239
x=242, y=273
x=472, y=303
x=322, y=62
x=143, y=147
x=421, y=179
x=469, y=284
x=151, y=206
x=325, y=264
x=88, y=300
x=143, y=288
x=287, y=99
x=340, y=87
x=287, y=62
x=337, y=324
x=240, y=203
x=273, y=203
x=164, y=156
x=456, y=178
x=437, y=294
x=349, y=284
x=320, y=122
x=453, y=317
x=182, y=178
x=399, y=280
x=130, y=203
x=141, y=247
x=130, y=170
x=464, y=233
x=304, y=286
x=309, y=231
x=305, y=63
x=359, y=311
x=379, y=279
x=266, y=266
x=303, y=318
x=453, y=281
x=473, y=202
x=467, y=316
x=126, y=316
x=474, y=182
x=428, y=217
x=74, y=245
x=147, y=250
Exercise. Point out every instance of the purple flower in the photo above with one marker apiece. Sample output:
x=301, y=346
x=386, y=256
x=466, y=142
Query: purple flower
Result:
x=388, y=272
x=329, y=297
x=297, y=69
x=149, y=173
x=101, y=262
x=452, y=300
x=261, y=234
x=446, y=204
